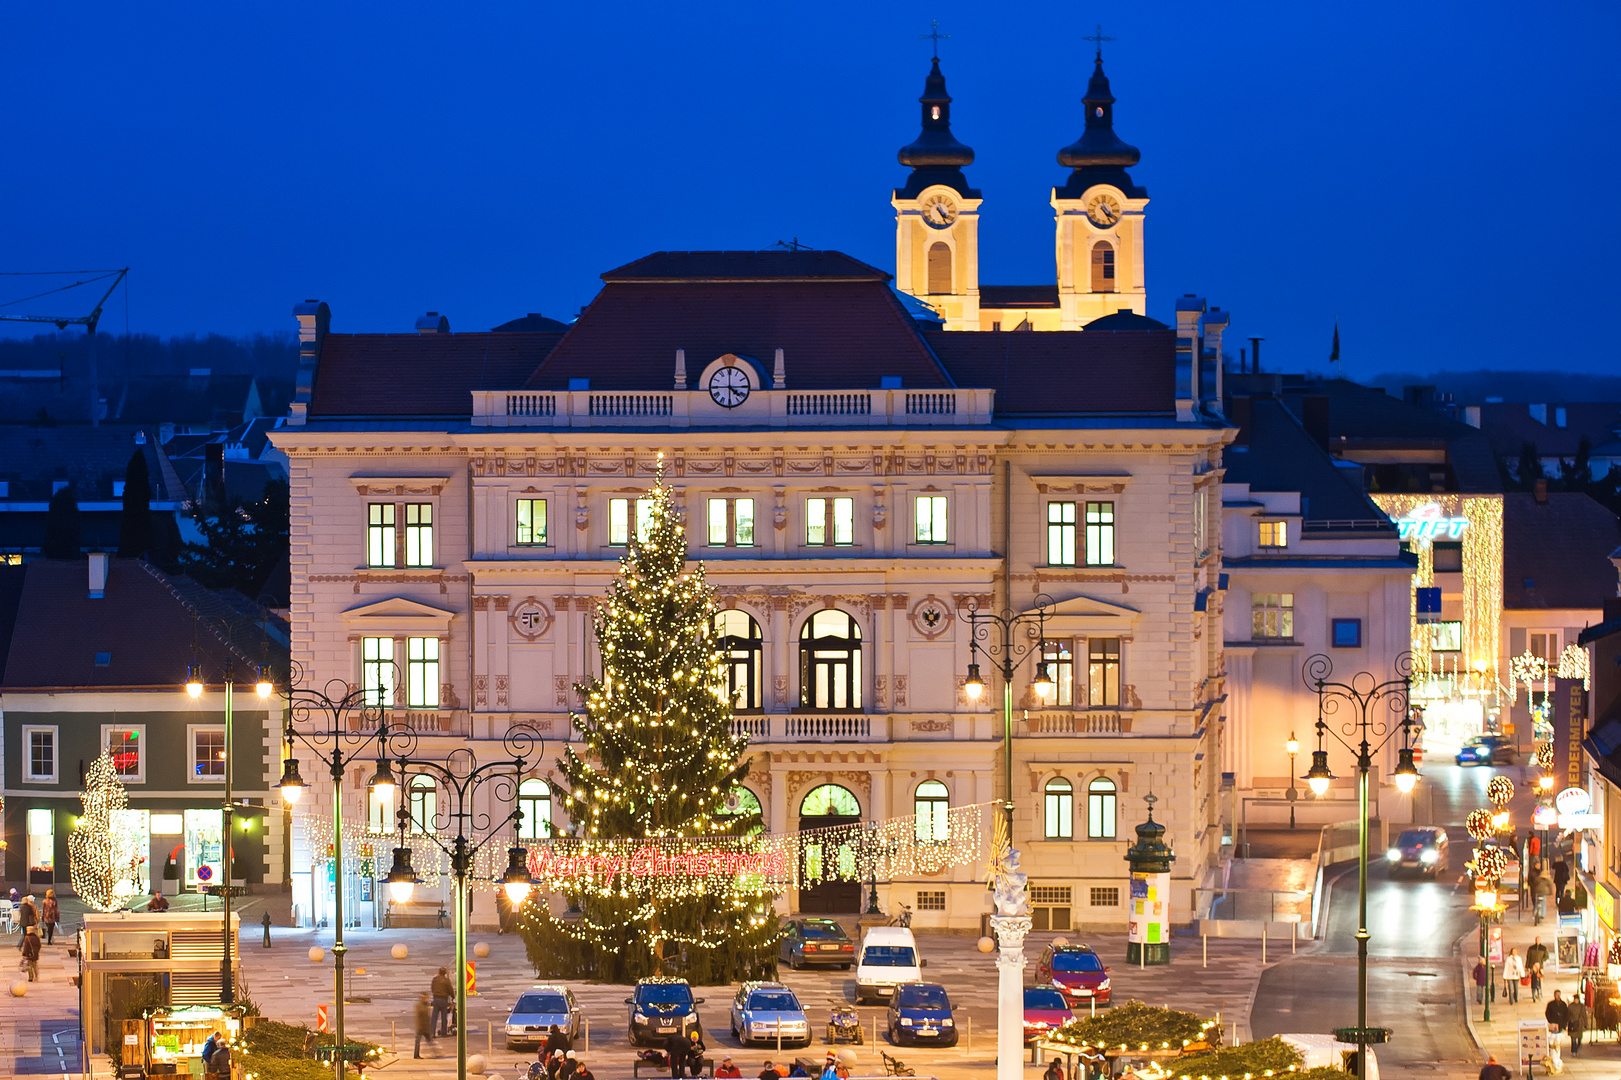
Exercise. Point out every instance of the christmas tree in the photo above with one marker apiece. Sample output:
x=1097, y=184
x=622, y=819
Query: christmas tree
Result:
x=103, y=860
x=658, y=761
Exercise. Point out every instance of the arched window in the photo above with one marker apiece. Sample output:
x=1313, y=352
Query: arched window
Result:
x=931, y=802
x=739, y=638
x=1100, y=809
x=535, y=803
x=830, y=661
x=939, y=267
x=1102, y=267
x=1059, y=815
x=830, y=800
x=740, y=802
x=424, y=804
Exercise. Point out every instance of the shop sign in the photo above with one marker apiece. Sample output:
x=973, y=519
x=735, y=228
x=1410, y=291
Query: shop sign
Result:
x=1604, y=903
x=1573, y=800
x=1544, y=817
x=1427, y=522
x=1569, y=725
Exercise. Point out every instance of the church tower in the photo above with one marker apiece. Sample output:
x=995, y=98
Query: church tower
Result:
x=937, y=216
x=1099, y=213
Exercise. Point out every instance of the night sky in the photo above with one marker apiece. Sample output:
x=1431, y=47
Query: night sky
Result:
x=1438, y=177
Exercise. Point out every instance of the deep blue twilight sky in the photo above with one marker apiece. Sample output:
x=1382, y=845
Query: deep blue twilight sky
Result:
x=1439, y=177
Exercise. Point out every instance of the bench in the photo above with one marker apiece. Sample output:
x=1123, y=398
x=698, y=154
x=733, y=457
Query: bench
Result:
x=894, y=1066
x=639, y=1066
x=415, y=913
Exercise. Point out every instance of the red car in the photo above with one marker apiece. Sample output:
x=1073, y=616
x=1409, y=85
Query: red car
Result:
x=1045, y=1010
x=1076, y=971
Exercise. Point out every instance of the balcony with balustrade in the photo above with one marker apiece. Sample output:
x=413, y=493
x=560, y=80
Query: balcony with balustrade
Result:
x=888, y=408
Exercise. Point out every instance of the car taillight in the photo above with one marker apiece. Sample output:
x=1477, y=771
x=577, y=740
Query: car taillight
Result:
x=847, y=948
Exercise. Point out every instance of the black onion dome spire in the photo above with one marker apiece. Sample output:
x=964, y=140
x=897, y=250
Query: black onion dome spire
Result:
x=1099, y=156
x=935, y=156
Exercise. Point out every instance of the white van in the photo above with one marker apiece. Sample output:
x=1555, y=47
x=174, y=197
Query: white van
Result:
x=888, y=956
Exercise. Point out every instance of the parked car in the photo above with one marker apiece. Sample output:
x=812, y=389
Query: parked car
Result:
x=920, y=1012
x=1045, y=1010
x=662, y=1007
x=1419, y=851
x=1487, y=750
x=1076, y=972
x=765, y=1011
x=888, y=957
x=536, y=1010
x=816, y=943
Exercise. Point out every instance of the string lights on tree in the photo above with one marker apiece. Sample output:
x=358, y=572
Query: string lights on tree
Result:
x=104, y=856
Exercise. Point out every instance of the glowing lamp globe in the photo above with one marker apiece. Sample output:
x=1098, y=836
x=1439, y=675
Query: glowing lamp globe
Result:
x=1500, y=791
x=401, y=878
x=974, y=686
x=1043, y=686
x=194, y=688
x=1406, y=774
x=516, y=881
x=263, y=688
x=1318, y=777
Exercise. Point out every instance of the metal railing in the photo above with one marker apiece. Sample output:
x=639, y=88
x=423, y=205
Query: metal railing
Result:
x=950, y=407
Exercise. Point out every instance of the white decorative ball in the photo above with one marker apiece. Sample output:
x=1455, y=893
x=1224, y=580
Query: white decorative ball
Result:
x=847, y=1056
x=475, y=1064
x=399, y=952
x=317, y=954
x=481, y=949
x=19, y=989
x=1060, y=940
x=987, y=944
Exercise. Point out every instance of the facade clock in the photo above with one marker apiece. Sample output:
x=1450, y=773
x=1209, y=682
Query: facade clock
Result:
x=939, y=212
x=729, y=386
x=1103, y=210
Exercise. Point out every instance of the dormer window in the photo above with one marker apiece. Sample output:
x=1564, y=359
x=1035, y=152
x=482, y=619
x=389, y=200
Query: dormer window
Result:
x=1273, y=534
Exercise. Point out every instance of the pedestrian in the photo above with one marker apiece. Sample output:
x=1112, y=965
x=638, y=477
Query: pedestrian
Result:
x=830, y=1071
x=1513, y=972
x=1492, y=1070
x=442, y=990
x=159, y=902
x=30, y=948
x=696, y=1051
x=1557, y=1014
x=570, y=1066
x=727, y=1070
x=424, y=1024
x=1541, y=889
x=1483, y=977
x=1561, y=876
x=1536, y=982
x=583, y=1072
x=50, y=913
x=1055, y=1070
x=27, y=915
x=209, y=1046
x=556, y=1041
x=675, y=1048
x=1576, y=1022
x=220, y=1063
x=768, y=1071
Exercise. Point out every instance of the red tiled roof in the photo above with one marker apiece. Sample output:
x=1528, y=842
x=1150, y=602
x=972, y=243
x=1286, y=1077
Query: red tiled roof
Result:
x=1060, y=371
x=834, y=334
x=421, y=374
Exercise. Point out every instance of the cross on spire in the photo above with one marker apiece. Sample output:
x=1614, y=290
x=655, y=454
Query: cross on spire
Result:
x=935, y=35
x=1098, y=39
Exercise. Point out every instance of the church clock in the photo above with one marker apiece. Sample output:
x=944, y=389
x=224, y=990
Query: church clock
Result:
x=729, y=386
x=1103, y=210
x=939, y=211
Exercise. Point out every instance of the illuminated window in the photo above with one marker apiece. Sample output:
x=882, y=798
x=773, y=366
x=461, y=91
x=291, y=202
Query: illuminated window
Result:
x=207, y=752
x=930, y=803
x=422, y=673
x=740, y=644
x=830, y=661
x=1201, y=522
x=1100, y=806
x=531, y=523
x=939, y=268
x=830, y=522
x=418, y=534
x=1059, y=809
x=931, y=519
x=535, y=803
x=1060, y=660
x=1100, y=534
x=1102, y=267
x=40, y=764
x=1446, y=636
x=377, y=670
x=424, y=804
x=1103, y=672
x=1060, y=534
x=1274, y=534
x=127, y=745
x=1272, y=615
x=731, y=522
x=380, y=534
x=619, y=520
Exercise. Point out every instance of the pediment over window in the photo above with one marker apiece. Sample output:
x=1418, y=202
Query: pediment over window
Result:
x=397, y=615
x=1080, y=613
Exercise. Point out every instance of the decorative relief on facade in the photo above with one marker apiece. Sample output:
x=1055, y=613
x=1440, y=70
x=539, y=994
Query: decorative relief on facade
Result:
x=447, y=696
x=582, y=512
x=500, y=691
x=851, y=465
x=481, y=691
x=1129, y=693
x=880, y=691
x=779, y=511
x=962, y=694
x=930, y=617
x=500, y=602
x=803, y=467
x=900, y=691
x=754, y=466
x=966, y=602
x=780, y=689
x=931, y=725
x=705, y=466
x=880, y=513
x=530, y=619
x=480, y=603
x=560, y=688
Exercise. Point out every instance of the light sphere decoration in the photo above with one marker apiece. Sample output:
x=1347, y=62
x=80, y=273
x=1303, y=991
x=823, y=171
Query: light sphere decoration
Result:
x=399, y=952
x=1490, y=862
x=847, y=1056
x=987, y=945
x=1545, y=755
x=481, y=949
x=317, y=954
x=476, y=1064
x=1479, y=824
x=19, y=989
x=1500, y=791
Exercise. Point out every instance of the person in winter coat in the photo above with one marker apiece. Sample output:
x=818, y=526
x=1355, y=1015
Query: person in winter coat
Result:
x=31, y=953
x=1492, y=1070
x=556, y=1042
x=1483, y=977
x=442, y=990
x=1513, y=972
x=424, y=1024
x=1576, y=1023
x=27, y=915
x=1557, y=1013
x=1541, y=889
x=220, y=1063
x=50, y=913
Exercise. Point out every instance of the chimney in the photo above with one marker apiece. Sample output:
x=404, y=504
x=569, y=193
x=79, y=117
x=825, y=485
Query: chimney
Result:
x=1539, y=491
x=1539, y=413
x=1189, y=310
x=779, y=374
x=98, y=574
x=1255, y=355
x=314, y=317
x=433, y=323
x=681, y=369
x=1210, y=367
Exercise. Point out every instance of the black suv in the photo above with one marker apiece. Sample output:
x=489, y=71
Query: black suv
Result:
x=661, y=1008
x=814, y=942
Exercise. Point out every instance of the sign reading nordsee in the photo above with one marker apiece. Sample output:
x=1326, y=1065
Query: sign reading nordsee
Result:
x=1427, y=522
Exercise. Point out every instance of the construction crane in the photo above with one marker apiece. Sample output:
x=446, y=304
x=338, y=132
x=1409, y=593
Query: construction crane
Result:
x=62, y=322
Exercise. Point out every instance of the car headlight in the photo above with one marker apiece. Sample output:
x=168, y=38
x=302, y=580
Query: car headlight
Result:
x=1104, y=985
x=948, y=1022
x=514, y=1029
x=1429, y=855
x=1394, y=854
x=906, y=1021
x=639, y=1018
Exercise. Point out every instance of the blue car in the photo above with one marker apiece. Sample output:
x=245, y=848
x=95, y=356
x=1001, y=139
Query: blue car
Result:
x=921, y=1013
x=1486, y=750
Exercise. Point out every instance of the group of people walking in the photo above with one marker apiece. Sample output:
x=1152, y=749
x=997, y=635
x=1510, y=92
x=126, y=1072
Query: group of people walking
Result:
x=32, y=921
x=433, y=1010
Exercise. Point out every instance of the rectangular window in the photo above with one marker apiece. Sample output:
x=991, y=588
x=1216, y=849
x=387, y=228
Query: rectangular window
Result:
x=1103, y=671
x=931, y=519
x=1105, y=896
x=1348, y=633
x=535, y=803
x=422, y=673
x=1272, y=615
x=41, y=759
x=127, y=745
x=531, y=523
x=1050, y=907
x=424, y=805
x=830, y=521
x=207, y=753
x=1060, y=659
x=1446, y=636
x=1274, y=534
x=1100, y=807
x=380, y=534
x=619, y=520
x=1447, y=556
x=418, y=534
x=41, y=845
x=931, y=900
x=1100, y=534
x=731, y=522
x=1201, y=522
x=719, y=511
x=1544, y=644
x=377, y=670
x=1060, y=534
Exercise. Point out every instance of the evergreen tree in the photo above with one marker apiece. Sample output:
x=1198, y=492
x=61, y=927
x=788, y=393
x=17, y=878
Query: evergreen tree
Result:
x=1578, y=475
x=104, y=860
x=135, y=521
x=658, y=760
x=1530, y=469
x=64, y=532
x=242, y=542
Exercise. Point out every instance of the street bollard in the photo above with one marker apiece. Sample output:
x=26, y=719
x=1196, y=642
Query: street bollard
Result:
x=267, y=929
x=1294, y=937
x=970, y=1021
x=585, y=1034
x=1206, y=939
x=1263, y=943
x=489, y=1043
x=393, y=1037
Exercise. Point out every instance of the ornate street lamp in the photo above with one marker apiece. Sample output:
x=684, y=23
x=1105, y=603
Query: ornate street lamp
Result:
x=1293, y=747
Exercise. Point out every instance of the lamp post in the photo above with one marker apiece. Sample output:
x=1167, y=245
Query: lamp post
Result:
x=1363, y=696
x=1012, y=921
x=338, y=723
x=1293, y=746
x=462, y=777
x=194, y=688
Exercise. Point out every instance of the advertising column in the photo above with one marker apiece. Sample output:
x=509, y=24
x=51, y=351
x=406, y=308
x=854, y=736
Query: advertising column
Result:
x=1148, y=933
